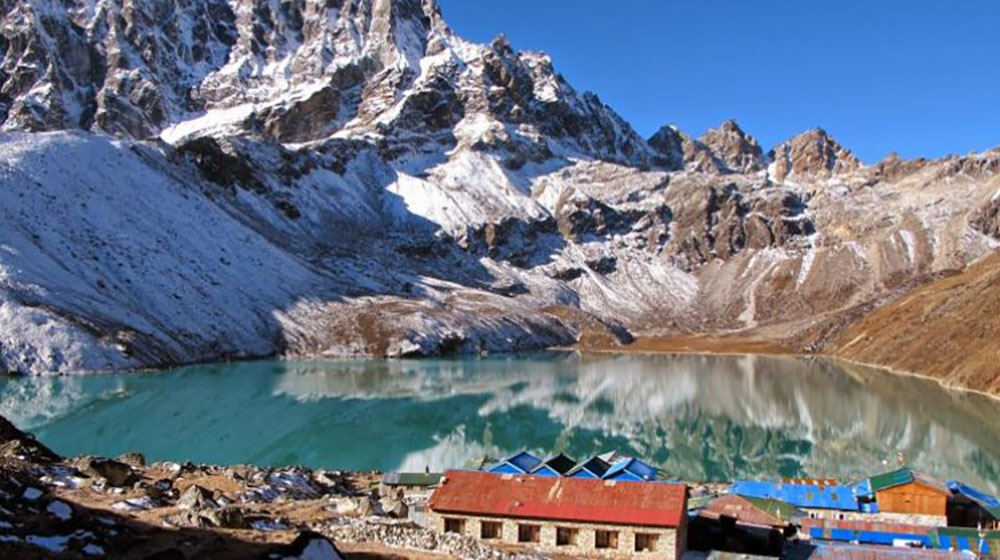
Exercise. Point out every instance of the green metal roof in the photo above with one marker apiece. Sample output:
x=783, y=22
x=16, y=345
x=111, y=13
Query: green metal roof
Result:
x=783, y=510
x=906, y=475
x=892, y=479
x=412, y=479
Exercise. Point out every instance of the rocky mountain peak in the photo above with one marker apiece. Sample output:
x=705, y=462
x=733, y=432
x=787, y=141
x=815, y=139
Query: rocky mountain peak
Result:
x=734, y=150
x=501, y=45
x=671, y=143
x=812, y=155
x=726, y=149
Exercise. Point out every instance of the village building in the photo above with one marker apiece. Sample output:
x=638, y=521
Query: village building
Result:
x=408, y=483
x=975, y=542
x=818, y=501
x=853, y=551
x=743, y=525
x=971, y=507
x=911, y=496
x=563, y=515
x=866, y=532
x=752, y=512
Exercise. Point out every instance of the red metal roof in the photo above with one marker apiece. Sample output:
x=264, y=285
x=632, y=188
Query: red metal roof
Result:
x=649, y=504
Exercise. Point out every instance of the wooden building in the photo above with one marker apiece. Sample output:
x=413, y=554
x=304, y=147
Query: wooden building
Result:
x=971, y=507
x=567, y=516
x=909, y=492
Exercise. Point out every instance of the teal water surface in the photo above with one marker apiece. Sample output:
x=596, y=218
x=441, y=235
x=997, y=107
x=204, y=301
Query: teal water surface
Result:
x=699, y=417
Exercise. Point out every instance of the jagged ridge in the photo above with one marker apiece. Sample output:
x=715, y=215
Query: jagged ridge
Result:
x=328, y=178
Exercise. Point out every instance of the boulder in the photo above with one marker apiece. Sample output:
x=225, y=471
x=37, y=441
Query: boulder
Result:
x=116, y=473
x=196, y=498
x=133, y=459
x=346, y=506
x=224, y=518
x=14, y=442
x=366, y=507
x=394, y=507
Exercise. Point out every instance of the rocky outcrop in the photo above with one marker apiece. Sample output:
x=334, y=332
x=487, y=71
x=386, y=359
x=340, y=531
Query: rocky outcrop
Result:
x=811, y=156
x=726, y=149
x=15, y=443
x=986, y=218
x=734, y=150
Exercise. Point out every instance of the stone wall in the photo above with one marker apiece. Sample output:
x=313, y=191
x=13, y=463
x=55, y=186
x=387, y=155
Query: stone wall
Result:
x=884, y=517
x=668, y=544
x=837, y=514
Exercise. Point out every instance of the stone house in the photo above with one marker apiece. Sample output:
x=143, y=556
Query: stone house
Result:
x=566, y=516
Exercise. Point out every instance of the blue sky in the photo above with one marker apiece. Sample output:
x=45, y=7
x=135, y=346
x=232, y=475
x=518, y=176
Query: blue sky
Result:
x=921, y=77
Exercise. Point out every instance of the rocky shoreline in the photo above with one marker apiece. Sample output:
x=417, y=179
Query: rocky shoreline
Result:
x=91, y=507
x=94, y=507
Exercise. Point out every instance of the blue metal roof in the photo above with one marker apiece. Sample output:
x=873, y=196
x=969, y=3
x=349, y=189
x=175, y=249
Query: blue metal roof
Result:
x=800, y=495
x=545, y=470
x=863, y=488
x=595, y=467
x=631, y=466
x=522, y=462
x=846, y=551
x=556, y=465
x=985, y=501
x=867, y=537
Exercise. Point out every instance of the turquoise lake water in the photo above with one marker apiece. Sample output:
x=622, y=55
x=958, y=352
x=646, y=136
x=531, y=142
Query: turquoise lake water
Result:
x=698, y=417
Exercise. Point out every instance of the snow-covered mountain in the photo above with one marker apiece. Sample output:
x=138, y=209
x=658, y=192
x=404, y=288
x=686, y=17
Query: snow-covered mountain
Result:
x=204, y=179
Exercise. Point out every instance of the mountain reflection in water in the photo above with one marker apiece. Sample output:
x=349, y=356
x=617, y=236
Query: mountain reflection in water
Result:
x=699, y=417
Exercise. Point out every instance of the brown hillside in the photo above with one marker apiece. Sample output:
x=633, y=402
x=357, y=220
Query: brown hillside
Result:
x=947, y=329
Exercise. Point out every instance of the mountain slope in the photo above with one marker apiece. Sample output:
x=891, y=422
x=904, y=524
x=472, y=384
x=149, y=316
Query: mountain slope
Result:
x=204, y=180
x=944, y=329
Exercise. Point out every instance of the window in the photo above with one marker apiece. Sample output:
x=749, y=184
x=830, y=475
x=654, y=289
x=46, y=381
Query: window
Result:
x=566, y=536
x=606, y=539
x=452, y=525
x=490, y=529
x=528, y=533
x=645, y=542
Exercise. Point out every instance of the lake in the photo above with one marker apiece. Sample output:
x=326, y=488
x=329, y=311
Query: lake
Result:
x=698, y=417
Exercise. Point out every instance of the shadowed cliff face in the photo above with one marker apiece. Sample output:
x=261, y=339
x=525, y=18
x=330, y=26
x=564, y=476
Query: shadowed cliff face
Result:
x=699, y=417
x=241, y=179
